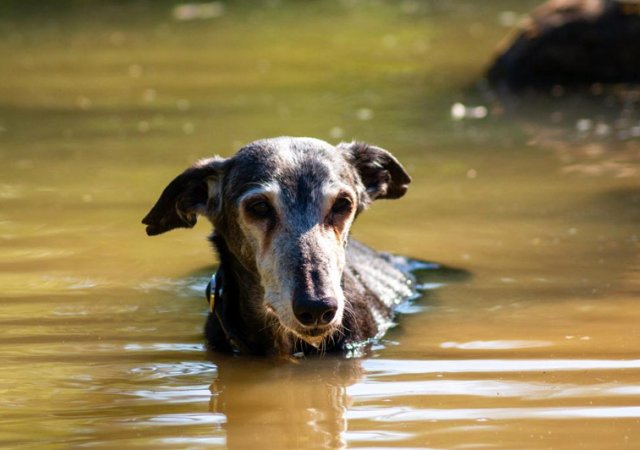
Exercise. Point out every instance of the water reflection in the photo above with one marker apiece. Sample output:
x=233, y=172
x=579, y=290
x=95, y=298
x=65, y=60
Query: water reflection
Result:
x=286, y=405
x=334, y=403
x=303, y=403
x=591, y=133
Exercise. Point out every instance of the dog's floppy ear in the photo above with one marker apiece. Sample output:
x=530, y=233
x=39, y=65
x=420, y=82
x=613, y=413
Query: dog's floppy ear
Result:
x=185, y=197
x=382, y=175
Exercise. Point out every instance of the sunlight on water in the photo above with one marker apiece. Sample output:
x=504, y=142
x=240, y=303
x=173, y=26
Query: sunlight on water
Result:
x=485, y=388
x=186, y=419
x=159, y=371
x=403, y=415
x=523, y=332
x=496, y=365
x=495, y=345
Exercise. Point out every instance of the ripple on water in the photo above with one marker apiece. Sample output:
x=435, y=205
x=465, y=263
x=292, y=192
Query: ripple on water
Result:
x=167, y=370
x=373, y=436
x=371, y=390
x=25, y=284
x=11, y=191
x=164, y=347
x=183, y=441
x=406, y=386
x=403, y=414
x=175, y=395
x=414, y=366
x=495, y=345
x=183, y=287
x=184, y=419
x=33, y=253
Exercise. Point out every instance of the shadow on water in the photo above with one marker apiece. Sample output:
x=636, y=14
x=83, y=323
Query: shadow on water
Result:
x=429, y=272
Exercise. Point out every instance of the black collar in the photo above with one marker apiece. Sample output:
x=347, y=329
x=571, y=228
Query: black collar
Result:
x=218, y=306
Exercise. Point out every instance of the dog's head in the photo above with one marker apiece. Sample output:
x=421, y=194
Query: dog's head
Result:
x=284, y=207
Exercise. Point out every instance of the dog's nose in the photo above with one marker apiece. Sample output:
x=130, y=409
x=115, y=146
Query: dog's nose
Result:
x=312, y=312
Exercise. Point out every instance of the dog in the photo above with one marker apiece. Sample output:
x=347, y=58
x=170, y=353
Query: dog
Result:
x=290, y=281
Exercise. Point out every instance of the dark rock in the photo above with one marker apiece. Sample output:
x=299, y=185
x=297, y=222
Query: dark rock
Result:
x=574, y=43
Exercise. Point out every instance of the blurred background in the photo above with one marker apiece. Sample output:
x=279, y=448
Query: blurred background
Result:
x=534, y=192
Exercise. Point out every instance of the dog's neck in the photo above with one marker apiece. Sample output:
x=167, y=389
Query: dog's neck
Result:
x=244, y=326
x=235, y=309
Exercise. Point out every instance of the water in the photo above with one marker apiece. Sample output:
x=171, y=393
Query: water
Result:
x=101, y=343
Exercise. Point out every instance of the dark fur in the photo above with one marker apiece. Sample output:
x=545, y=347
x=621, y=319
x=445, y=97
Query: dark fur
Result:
x=370, y=282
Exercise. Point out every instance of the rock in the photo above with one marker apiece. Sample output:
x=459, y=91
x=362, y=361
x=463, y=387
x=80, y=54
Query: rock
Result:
x=573, y=43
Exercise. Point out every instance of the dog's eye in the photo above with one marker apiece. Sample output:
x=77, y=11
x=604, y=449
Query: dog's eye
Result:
x=259, y=209
x=342, y=205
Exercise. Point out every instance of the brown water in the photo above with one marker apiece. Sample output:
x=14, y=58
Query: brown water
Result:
x=101, y=342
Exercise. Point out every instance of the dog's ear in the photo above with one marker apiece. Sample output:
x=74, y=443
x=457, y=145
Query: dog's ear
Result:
x=382, y=175
x=193, y=192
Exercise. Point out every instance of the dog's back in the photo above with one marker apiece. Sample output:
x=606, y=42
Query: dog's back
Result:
x=374, y=285
x=381, y=273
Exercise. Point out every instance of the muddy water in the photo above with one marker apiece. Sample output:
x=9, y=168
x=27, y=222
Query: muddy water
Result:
x=101, y=342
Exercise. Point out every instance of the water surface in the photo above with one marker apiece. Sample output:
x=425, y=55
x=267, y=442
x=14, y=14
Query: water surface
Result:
x=101, y=342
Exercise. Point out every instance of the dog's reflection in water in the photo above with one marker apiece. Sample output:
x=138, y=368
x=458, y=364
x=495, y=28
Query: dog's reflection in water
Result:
x=271, y=404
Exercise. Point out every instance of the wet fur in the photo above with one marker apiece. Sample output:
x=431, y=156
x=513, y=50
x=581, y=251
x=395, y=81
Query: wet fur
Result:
x=300, y=251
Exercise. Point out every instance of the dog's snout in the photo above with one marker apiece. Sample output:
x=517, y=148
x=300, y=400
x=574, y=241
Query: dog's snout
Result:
x=315, y=312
